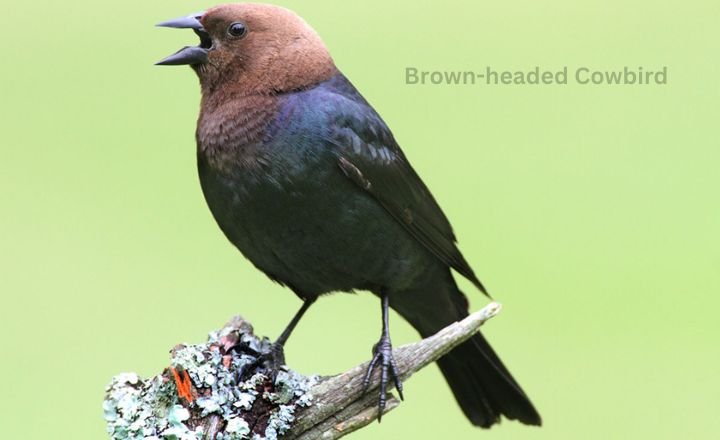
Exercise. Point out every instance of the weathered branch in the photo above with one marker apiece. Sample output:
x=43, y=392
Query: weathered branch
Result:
x=217, y=393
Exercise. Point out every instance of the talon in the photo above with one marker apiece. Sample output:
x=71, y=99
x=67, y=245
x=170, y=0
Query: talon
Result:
x=240, y=348
x=269, y=363
x=273, y=361
x=368, y=373
x=388, y=369
x=396, y=378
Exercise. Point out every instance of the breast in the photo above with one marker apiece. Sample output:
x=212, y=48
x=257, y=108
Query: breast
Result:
x=228, y=130
x=313, y=232
x=281, y=199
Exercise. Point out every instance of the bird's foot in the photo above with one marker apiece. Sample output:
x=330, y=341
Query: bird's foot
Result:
x=274, y=360
x=383, y=357
x=268, y=363
x=271, y=362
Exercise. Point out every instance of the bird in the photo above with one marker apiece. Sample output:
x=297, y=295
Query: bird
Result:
x=305, y=178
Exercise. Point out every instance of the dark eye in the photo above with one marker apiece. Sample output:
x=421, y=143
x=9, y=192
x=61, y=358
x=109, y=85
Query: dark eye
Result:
x=237, y=30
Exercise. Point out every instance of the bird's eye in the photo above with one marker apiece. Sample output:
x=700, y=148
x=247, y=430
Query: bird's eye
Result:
x=237, y=30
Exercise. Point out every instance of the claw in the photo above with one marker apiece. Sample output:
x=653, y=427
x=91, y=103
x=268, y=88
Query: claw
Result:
x=396, y=378
x=268, y=363
x=240, y=348
x=368, y=373
x=388, y=369
x=273, y=361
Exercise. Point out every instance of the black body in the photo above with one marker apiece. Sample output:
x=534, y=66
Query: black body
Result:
x=321, y=198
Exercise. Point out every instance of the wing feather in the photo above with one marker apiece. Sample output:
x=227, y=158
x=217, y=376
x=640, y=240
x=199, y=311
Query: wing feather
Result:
x=369, y=156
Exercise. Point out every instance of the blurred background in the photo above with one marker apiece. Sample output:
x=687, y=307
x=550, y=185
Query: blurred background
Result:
x=590, y=212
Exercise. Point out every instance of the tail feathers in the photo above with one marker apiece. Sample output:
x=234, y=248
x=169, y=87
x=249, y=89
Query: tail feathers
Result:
x=483, y=387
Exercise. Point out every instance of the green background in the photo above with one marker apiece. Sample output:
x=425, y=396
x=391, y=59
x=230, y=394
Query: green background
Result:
x=591, y=212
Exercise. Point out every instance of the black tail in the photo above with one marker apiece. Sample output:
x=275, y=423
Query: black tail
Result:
x=483, y=387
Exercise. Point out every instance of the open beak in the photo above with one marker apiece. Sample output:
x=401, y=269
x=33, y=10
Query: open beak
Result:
x=192, y=55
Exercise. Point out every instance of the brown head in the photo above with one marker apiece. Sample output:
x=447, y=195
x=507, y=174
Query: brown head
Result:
x=252, y=49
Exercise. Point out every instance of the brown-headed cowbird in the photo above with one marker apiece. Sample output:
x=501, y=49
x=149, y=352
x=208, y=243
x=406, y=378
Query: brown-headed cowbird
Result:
x=308, y=182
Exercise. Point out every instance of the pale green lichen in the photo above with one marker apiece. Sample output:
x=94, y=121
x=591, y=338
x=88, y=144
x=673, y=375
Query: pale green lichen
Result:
x=228, y=386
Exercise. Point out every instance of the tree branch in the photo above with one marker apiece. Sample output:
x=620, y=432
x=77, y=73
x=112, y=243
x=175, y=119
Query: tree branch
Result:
x=217, y=393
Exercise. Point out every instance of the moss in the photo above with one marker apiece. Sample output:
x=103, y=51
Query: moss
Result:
x=232, y=386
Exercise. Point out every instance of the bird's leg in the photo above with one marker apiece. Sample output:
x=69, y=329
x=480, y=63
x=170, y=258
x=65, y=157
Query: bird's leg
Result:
x=274, y=360
x=382, y=355
x=276, y=357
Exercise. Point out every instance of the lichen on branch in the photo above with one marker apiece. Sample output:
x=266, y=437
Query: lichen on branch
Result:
x=222, y=390
x=208, y=391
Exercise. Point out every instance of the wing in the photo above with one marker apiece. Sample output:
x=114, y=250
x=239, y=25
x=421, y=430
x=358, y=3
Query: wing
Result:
x=369, y=156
